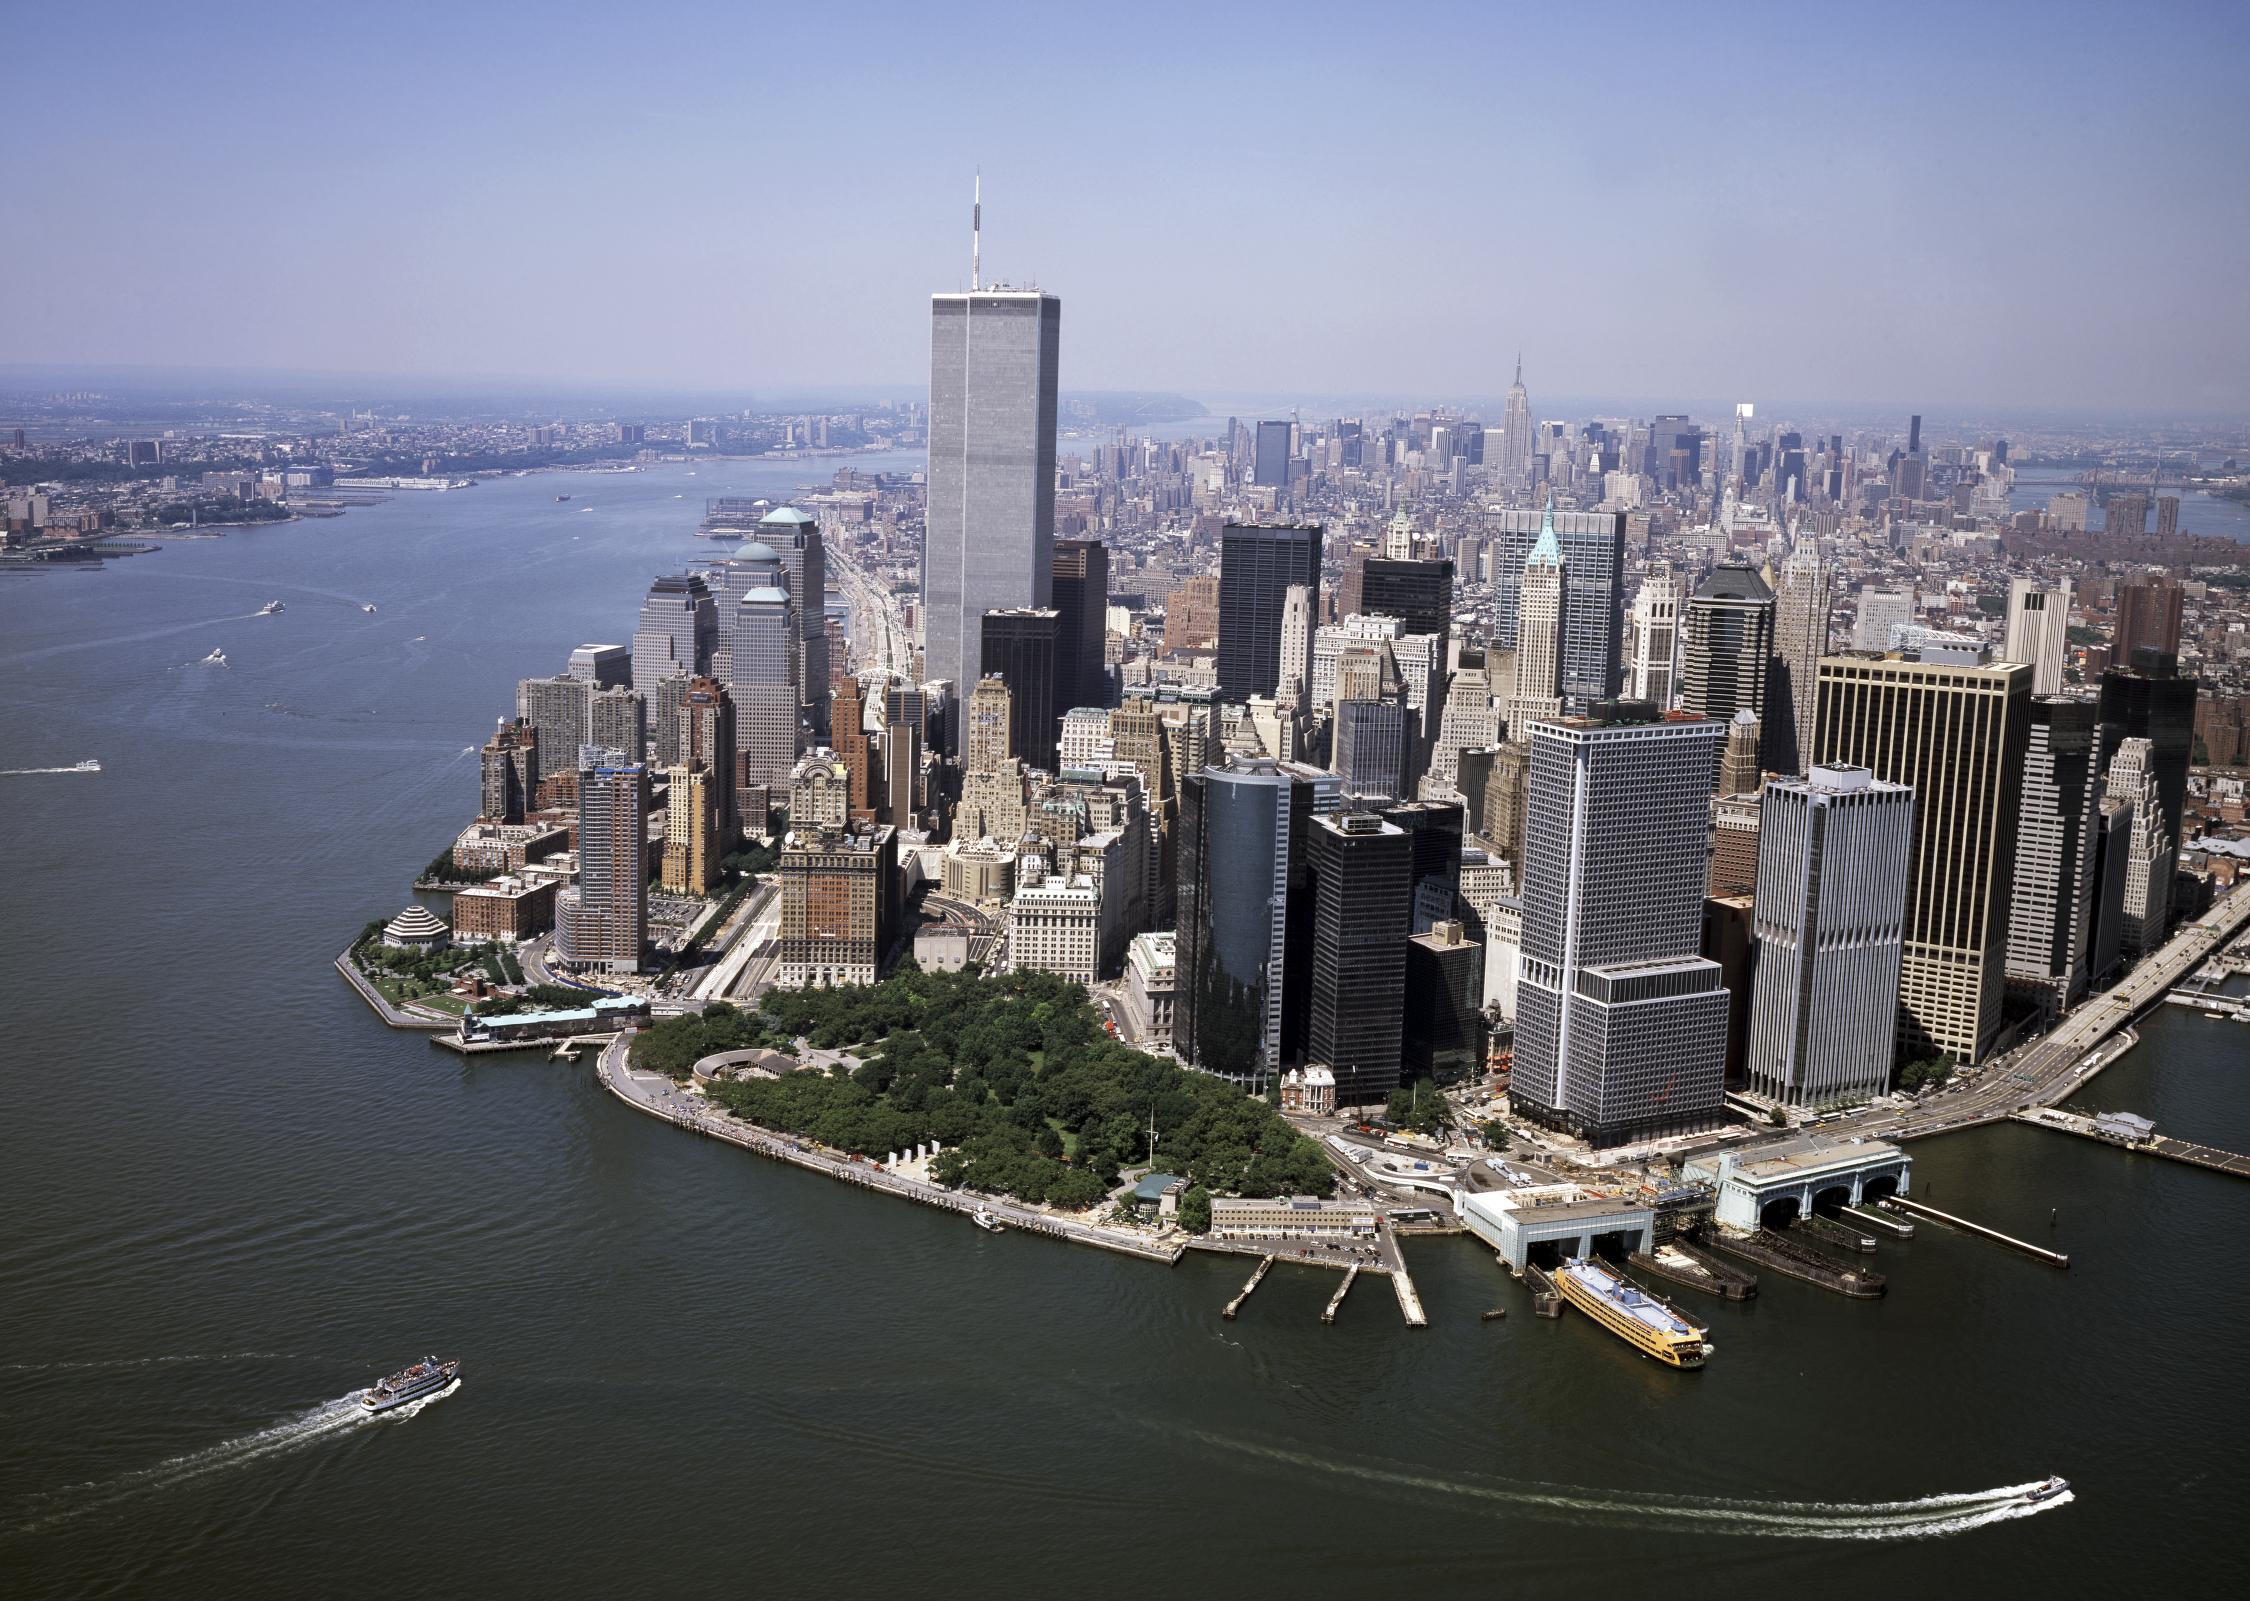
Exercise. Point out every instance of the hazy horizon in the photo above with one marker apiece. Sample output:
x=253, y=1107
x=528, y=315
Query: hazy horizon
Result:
x=2040, y=212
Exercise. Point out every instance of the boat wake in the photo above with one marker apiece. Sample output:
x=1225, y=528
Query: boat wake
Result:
x=329, y=1419
x=1925, y=1518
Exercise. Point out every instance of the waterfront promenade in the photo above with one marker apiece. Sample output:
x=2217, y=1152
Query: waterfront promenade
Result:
x=384, y=1009
x=658, y=1096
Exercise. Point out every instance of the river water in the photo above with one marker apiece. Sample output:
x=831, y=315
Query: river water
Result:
x=232, y=1197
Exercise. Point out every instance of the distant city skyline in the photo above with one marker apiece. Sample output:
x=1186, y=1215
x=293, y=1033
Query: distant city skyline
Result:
x=1853, y=213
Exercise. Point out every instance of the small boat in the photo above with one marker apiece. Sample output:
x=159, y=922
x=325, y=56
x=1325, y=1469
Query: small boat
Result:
x=1494, y=1316
x=271, y=608
x=369, y=607
x=217, y=658
x=562, y=497
x=983, y=1218
x=89, y=765
x=425, y=1377
x=2047, y=1489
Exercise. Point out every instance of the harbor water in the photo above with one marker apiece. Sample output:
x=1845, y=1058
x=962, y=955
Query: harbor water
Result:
x=232, y=1198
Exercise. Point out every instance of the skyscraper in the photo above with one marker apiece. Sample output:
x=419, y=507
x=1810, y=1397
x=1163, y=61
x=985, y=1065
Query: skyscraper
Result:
x=764, y=650
x=1953, y=729
x=1653, y=674
x=1830, y=916
x=2038, y=631
x=704, y=740
x=1021, y=646
x=1729, y=647
x=847, y=734
x=510, y=772
x=1593, y=553
x=1257, y=565
x=987, y=739
x=617, y=719
x=1243, y=931
x=989, y=543
x=1270, y=466
x=1371, y=748
x=795, y=538
x=1515, y=432
x=2051, y=897
x=1620, y=1022
x=1800, y=639
x=1081, y=597
x=1419, y=593
x=1540, y=609
x=2146, y=697
x=679, y=626
x=1880, y=611
x=603, y=666
x=2148, y=615
x=601, y=922
x=2149, y=848
x=556, y=710
x=1299, y=619
x=1359, y=877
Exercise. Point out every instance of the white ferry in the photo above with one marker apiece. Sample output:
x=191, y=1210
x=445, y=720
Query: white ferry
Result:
x=425, y=1377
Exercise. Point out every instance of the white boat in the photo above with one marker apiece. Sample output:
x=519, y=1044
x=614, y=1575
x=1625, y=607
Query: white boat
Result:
x=425, y=1377
x=270, y=608
x=370, y=606
x=982, y=1217
x=217, y=658
x=2048, y=1489
x=89, y=765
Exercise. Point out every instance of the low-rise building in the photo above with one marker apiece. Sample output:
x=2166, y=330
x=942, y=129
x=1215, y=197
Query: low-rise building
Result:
x=1148, y=990
x=506, y=909
x=1054, y=926
x=506, y=847
x=1311, y=1091
x=1297, y=1217
x=1547, y=1222
x=416, y=929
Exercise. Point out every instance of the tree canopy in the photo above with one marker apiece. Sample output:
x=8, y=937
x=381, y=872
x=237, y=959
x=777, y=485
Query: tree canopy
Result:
x=1016, y=1078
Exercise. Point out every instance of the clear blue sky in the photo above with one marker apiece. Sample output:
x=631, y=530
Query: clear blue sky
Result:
x=2000, y=203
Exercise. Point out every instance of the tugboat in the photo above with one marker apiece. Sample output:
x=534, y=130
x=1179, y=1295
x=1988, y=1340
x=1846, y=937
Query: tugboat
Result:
x=983, y=1218
x=2047, y=1490
x=271, y=608
x=425, y=1377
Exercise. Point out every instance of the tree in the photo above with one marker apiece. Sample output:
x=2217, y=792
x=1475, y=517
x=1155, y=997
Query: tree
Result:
x=1776, y=1117
x=1195, y=1210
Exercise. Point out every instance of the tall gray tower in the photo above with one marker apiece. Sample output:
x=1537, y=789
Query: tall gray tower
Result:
x=990, y=537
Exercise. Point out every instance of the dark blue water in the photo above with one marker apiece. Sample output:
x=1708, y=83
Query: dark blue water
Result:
x=232, y=1197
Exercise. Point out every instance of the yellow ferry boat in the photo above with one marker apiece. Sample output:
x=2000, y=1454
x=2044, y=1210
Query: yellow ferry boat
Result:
x=1639, y=1319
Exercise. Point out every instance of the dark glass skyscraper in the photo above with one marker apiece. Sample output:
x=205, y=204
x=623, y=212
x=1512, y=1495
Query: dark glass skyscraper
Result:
x=1359, y=874
x=1418, y=593
x=1728, y=650
x=1257, y=564
x=1271, y=466
x=1081, y=595
x=1243, y=930
x=1593, y=553
x=1023, y=647
x=2146, y=698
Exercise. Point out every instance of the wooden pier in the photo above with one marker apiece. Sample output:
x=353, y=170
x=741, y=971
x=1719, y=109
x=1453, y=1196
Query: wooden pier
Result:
x=1409, y=1303
x=1342, y=1290
x=1919, y=1209
x=1257, y=1273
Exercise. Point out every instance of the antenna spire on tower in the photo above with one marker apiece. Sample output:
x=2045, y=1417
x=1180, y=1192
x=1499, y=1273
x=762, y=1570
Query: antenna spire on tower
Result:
x=976, y=235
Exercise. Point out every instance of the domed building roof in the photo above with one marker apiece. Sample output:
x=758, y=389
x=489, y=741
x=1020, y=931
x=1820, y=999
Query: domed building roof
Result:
x=417, y=925
x=756, y=550
x=786, y=517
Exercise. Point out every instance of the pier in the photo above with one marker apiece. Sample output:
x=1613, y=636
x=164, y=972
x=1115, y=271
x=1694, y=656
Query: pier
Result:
x=1896, y=1227
x=1342, y=1290
x=1257, y=1275
x=1921, y=1209
x=1546, y=1300
x=2153, y=1144
x=1830, y=1232
x=1780, y=1254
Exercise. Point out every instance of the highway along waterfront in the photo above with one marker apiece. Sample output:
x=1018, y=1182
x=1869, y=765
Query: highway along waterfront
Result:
x=234, y=1196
